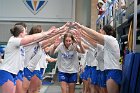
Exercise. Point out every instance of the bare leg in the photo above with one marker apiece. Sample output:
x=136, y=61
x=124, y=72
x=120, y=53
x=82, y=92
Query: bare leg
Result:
x=8, y=87
x=94, y=88
x=35, y=85
x=64, y=87
x=103, y=90
x=19, y=87
x=112, y=86
x=0, y=89
x=71, y=87
x=25, y=85
x=86, y=86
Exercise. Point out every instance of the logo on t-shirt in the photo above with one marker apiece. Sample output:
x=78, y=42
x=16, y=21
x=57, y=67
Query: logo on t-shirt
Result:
x=22, y=50
x=67, y=56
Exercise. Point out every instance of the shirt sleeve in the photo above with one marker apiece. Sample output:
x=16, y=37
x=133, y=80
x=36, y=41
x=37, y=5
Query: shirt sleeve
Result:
x=58, y=48
x=16, y=41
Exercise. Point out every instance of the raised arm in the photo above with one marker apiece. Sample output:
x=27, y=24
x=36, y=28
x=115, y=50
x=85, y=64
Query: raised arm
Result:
x=77, y=36
x=48, y=42
x=55, y=45
x=51, y=40
x=90, y=40
x=92, y=33
x=33, y=38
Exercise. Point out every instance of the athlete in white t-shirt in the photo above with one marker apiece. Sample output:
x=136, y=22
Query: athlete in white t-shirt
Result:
x=14, y=55
x=32, y=55
x=36, y=80
x=100, y=69
x=35, y=60
x=113, y=69
x=67, y=60
x=90, y=73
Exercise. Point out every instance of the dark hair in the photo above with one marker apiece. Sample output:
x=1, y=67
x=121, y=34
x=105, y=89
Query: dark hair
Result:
x=109, y=30
x=68, y=35
x=35, y=29
x=21, y=23
x=16, y=30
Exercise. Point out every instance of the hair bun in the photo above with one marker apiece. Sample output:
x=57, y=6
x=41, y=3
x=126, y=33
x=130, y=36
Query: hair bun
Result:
x=12, y=31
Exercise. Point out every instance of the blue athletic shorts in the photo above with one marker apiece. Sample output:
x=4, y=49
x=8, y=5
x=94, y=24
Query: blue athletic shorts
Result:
x=86, y=74
x=67, y=77
x=5, y=76
x=101, y=78
x=28, y=74
x=93, y=75
x=38, y=73
x=20, y=76
x=114, y=74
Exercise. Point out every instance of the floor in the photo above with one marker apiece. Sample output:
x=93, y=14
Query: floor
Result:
x=55, y=87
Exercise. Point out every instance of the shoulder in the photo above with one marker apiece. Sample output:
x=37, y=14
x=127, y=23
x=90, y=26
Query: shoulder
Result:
x=109, y=39
x=13, y=41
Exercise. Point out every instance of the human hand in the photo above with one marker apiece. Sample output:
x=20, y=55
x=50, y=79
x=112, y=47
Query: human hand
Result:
x=77, y=36
x=57, y=42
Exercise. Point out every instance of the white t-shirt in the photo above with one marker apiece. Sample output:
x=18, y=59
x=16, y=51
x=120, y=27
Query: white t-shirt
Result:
x=14, y=56
x=83, y=58
x=67, y=59
x=111, y=53
x=30, y=52
x=91, y=57
x=100, y=57
x=33, y=56
x=42, y=62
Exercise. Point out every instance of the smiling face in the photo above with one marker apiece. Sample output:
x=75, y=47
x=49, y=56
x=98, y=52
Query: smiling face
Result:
x=68, y=41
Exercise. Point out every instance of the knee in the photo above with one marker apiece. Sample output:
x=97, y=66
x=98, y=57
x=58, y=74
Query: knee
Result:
x=25, y=88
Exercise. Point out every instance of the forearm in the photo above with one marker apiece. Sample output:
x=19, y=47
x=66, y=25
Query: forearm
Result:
x=50, y=40
x=33, y=38
x=82, y=49
x=47, y=45
x=52, y=49
x=93, y=33
x=89, y=39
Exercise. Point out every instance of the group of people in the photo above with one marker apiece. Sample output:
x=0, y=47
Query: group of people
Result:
x=102, y=71
x=25, y=58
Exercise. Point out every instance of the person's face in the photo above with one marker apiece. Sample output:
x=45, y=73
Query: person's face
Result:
x=68, y=41
x=102, y=31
